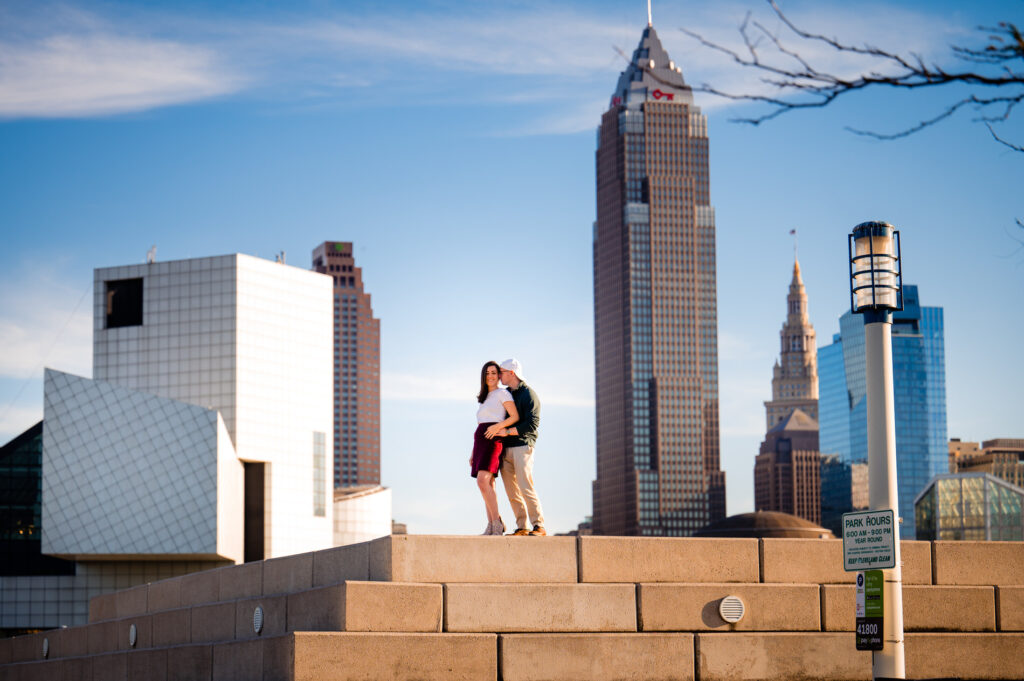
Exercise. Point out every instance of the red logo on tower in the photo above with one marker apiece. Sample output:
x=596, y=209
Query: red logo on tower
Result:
x=658, y=94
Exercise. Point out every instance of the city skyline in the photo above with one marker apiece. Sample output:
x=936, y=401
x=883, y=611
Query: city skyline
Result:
x=455, y=173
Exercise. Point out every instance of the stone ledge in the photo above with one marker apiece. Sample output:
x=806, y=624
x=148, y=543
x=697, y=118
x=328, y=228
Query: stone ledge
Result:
x=367, y=606
x=539, y=607
x=1010, y=607
x=694, y=607
x=925, y=608
x=820, y=561
x=780, y=657
x=999, y=563
x=663, y=559
x=395, y=657
x=596, y=657
x=440, y=559
x=965, y=656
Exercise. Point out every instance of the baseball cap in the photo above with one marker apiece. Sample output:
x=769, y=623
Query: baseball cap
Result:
x=512, y=364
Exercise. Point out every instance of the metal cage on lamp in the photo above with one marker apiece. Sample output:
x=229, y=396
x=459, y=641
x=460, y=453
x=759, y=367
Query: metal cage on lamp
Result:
x=876, y=270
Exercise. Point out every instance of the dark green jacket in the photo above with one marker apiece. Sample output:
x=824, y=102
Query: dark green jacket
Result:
x=528, y=405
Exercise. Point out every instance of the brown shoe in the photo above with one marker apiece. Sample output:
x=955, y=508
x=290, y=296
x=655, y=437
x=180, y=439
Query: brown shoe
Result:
x=521, y=532
x=538, y=531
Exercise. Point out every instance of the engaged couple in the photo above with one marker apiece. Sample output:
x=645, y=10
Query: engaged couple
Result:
x=506, y=432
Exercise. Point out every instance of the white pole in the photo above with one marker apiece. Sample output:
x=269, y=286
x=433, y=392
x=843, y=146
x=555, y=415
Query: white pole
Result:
x=889, y=662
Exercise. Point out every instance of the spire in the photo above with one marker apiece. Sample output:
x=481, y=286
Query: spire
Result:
x=650, y=23
x=797, y=299
x=651, y=75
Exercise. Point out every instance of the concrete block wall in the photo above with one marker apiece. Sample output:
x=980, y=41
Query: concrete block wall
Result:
x=542, y=608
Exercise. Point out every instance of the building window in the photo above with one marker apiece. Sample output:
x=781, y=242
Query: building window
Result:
x=124, y=302
x=319, y=474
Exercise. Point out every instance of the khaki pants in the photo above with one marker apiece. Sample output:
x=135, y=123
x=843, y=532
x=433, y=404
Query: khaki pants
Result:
x=517, y=475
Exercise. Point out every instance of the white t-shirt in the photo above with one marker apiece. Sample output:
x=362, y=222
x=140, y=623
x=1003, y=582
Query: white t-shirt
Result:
x=493, y=408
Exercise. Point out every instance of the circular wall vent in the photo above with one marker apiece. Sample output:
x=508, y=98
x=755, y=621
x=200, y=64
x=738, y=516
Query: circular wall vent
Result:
x=731, y=609
x=133, y=635
x=257, y=619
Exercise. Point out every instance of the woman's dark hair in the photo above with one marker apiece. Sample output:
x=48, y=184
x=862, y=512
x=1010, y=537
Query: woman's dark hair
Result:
x=483, y=380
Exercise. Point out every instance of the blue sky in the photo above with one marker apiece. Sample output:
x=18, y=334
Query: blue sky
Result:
x=453, y=143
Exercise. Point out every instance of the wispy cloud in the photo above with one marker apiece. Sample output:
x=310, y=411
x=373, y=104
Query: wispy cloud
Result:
x=85, y=64
x=92, y=69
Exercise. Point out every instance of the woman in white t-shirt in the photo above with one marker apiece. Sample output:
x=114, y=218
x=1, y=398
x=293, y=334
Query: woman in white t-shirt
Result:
x=496, y=406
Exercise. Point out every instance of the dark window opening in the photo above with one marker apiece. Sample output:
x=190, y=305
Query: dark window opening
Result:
x=124, y=303
x=21, y=472
x=255, y=494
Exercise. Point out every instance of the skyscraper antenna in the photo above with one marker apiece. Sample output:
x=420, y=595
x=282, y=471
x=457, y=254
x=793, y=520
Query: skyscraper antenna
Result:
x=649, y=23
x=792, y=233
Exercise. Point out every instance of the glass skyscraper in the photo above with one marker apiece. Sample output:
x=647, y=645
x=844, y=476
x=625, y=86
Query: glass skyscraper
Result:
x=919, y=387
x=655, y=308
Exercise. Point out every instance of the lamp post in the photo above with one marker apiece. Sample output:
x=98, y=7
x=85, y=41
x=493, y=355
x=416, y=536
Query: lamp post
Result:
x=876, y=289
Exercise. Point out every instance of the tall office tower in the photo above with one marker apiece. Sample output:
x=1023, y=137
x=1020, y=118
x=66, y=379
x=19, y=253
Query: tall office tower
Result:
x=356, y=369
x=795, y=374
x=655, y=308
x=919, y=389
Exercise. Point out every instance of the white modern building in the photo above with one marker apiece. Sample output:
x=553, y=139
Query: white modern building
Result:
x=203, y=438
x=361, y=513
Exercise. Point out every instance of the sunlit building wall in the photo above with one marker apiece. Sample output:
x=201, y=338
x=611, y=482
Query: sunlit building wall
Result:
x=361, y=513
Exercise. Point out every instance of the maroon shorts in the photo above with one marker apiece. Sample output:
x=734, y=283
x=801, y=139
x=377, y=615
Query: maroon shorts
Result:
x=486, y=453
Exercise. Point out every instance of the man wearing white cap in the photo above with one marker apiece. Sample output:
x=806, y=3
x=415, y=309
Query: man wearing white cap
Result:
x=517, y=462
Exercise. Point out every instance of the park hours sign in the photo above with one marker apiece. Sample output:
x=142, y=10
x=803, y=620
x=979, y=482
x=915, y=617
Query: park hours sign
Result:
x=869, y=540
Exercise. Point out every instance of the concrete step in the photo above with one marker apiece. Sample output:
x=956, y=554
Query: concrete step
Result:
x=539, y=607
x=999, y=563
x=694, y=607
x=596, y=657
x=425, y=558
x=925, y=608
x=733, y=656
x=650, y=559
x=820, y=561
x=439, y=559
x=260, y=578
x=300, y=656
x=1010, y=607
x=368, y=606
x=784, y=656
x=350, y=606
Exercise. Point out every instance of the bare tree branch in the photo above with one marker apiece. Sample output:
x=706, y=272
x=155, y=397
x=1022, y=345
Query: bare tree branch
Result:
x=798, y=84
x=1015, y=147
